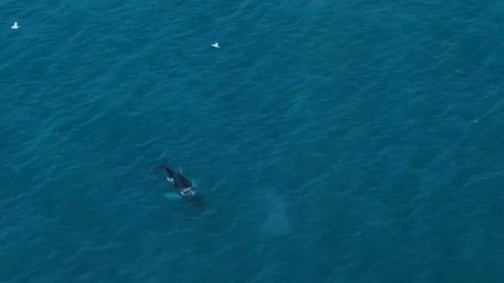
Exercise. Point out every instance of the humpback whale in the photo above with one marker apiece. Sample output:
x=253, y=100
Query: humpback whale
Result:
x=183, y=186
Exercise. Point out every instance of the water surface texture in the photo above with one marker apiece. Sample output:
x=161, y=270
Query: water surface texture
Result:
x=335, y=141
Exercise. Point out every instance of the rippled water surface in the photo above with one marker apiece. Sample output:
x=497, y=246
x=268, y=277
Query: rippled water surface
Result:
x=335, y=141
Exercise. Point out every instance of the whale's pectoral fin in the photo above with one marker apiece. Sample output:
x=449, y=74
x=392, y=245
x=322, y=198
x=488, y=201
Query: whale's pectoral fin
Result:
x=172, y=196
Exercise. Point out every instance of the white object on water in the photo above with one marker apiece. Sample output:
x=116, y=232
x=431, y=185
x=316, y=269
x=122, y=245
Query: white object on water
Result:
x=216, y=45
x=15, y=26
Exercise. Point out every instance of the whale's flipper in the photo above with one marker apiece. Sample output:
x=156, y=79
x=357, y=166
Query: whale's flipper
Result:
x=172, y=196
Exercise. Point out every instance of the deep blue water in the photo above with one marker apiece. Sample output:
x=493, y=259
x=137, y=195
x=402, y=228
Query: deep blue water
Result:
x=335, y=141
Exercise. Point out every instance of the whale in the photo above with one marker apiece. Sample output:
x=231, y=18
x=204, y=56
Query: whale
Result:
x=184, y=188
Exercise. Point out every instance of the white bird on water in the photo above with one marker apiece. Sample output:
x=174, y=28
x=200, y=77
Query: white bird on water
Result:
x=15, y=26
x=216, y=45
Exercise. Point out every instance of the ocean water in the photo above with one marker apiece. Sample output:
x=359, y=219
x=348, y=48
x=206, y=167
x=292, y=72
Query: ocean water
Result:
x=335, y=141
